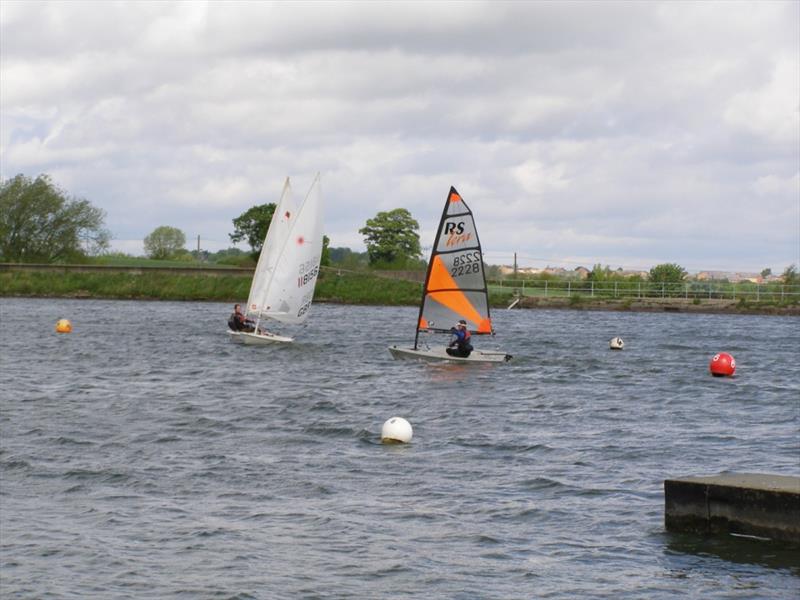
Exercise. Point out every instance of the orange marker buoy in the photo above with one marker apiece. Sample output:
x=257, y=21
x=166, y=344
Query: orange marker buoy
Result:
x=722, y=365
x=64, y=326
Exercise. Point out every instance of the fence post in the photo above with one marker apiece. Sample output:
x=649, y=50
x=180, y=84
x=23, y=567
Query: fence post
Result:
x=685, y=291
x=569, y=289
x=545, y=288
x=663, y=288
x=615, y=289
x=783, y=287
x=758, y=292
x=640, y=291
x=593, y=288
x=733, y=287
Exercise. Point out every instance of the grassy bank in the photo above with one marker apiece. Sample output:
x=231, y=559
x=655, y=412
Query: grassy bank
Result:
x=682, y=305
x=344, y=287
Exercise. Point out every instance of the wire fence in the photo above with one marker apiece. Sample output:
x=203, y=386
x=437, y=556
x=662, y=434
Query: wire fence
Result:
x=751, y=292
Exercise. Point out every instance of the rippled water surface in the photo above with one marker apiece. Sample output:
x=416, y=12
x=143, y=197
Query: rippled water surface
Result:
x=144, y=455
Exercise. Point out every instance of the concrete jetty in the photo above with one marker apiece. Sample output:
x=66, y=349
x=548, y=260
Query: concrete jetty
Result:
x=740, y=503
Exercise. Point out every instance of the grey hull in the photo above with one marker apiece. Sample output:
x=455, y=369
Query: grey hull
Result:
x=439, y=354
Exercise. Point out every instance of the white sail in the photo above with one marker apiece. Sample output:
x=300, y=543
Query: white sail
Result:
x=277, y=234
x=287, y=271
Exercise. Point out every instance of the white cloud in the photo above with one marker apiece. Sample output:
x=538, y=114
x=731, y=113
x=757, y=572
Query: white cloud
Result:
x=772, y=111
x=624, y=131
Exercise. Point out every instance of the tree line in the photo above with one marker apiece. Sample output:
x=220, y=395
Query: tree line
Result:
x=40, y=222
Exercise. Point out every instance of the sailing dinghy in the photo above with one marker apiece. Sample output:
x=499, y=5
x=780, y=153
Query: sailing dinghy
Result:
x=287, y=269
x=455, y=288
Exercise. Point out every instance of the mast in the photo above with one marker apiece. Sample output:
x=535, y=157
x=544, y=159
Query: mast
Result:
x=430, y=261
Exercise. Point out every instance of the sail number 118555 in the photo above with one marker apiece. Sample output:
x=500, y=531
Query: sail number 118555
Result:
x=466, y=263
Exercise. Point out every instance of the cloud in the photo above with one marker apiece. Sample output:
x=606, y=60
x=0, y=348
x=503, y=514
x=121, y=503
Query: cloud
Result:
x=610, y=131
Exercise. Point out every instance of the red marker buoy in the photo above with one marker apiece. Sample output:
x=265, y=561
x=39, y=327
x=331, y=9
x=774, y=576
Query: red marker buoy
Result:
x=722, y=365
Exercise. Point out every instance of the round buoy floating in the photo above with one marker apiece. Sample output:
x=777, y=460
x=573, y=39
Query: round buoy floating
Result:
x=616, y=343
x=64, y=326
x=396, y=431
x=722, y=365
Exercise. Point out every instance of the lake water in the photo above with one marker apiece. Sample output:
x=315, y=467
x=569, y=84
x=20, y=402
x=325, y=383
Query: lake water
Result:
x=144, y=455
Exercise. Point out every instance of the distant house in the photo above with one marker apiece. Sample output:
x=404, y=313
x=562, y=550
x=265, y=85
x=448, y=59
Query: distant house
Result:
x=582, y=272
x=712, y=275
x=506, y=270
x=742, y=277
x=732, y=277
x=625, y=273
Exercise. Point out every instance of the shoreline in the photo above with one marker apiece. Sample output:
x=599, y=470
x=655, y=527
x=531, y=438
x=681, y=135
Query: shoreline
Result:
x=668, y=305
x=349, y=288
x=644, y=305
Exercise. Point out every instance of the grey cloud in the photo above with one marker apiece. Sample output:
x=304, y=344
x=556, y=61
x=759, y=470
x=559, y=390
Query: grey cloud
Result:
x=591, y=129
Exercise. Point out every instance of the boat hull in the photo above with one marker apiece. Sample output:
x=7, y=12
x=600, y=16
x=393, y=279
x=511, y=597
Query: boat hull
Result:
x=439, y=354
x=256, y=339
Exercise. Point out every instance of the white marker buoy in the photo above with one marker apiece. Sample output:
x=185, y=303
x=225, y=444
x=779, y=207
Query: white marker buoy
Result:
x=396, y=431
x=616, y=343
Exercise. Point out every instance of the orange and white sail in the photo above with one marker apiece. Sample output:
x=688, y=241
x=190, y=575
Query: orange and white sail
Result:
x=455, y=284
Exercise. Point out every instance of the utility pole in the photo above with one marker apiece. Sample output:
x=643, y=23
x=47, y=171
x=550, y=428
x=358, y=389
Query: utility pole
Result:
x=515, y=265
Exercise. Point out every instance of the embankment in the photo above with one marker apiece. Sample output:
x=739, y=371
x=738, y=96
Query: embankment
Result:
x=334, y=285
x=678, y=305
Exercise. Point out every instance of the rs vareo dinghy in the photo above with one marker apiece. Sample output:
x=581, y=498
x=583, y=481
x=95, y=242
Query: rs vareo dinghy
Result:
x=455, y=288
x=283, y=283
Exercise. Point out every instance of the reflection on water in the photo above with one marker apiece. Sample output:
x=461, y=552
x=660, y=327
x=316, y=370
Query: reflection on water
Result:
x=737, y=549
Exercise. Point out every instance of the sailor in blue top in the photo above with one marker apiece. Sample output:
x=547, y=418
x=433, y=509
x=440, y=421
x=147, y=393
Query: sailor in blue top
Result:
x=461, y=341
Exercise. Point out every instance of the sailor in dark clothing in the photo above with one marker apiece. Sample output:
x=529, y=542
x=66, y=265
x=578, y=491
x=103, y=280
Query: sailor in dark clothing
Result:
x=461, y=341
x=238, y=322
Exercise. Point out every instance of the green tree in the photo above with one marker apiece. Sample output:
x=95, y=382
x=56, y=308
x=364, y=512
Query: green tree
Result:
x=766, y=272
x=391, y=238
x=791, y=276
x=252, y=225
x=600, y=273
x=667, y=273
x=164, y=242
x=39, y=222
x=325, y=259
x=346, y=258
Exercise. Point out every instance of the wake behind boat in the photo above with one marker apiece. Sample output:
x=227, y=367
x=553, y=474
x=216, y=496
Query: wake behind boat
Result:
x=283, y=283
x=454, y=291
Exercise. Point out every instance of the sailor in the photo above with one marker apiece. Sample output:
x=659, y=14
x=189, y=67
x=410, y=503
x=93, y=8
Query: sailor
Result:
x=238, y=322
x=461, y=341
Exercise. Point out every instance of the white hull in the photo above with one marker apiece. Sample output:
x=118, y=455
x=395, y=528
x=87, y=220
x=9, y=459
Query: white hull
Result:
x=255, y=339
x=439, y=354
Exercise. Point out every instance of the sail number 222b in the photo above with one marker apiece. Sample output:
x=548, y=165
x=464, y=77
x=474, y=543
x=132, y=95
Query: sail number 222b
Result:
x=466, y=263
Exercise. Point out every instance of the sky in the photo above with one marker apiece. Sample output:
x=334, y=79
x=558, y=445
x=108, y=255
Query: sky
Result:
x=626, y=134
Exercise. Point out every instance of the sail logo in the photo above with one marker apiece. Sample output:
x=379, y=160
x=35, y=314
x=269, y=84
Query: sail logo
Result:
x=455, y=234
